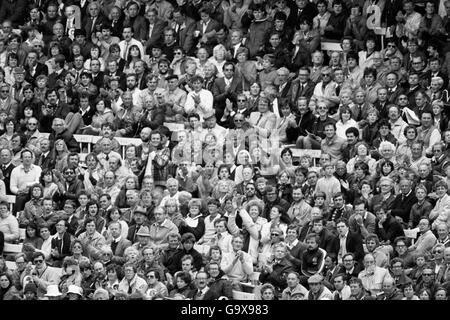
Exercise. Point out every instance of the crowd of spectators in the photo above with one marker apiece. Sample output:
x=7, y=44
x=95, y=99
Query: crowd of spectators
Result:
x=200, y=179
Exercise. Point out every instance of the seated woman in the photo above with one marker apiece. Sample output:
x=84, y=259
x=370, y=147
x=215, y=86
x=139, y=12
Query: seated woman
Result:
x=9, y=225
x=131, y=183
x=345, y=121
x=32, y=240
x=194, y=222
x=183, y=286
x=104, y=114
x=34, y=207
x=59, y=154
x=93, y=173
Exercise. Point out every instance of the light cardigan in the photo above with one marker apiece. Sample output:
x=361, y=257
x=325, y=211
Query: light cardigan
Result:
x=205, y=106
x=373, y=282
x=20, y=178
x=441, y=212
x=10, y=228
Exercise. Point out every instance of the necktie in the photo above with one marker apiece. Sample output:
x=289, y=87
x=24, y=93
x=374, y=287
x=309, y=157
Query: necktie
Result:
x=126, y=50
x=114, y=246
x=130, y=290
x=259, y=119
x=107, y=157
x=93, y=21
x=150, y=29
x=3, y=168
x=42, y=159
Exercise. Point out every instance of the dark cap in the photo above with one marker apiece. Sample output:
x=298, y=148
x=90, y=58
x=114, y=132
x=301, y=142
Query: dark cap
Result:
x=30, y=287
x=79, y=32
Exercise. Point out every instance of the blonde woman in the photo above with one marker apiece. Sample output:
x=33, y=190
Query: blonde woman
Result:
x=218, y=59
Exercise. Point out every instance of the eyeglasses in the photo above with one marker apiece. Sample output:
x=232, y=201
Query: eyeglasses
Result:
x=238, y=120
x=391, y=46
x=417, y=62
x=437, y=251
x=403, y=98
x=348, y=260
x=274, y=234
x=38, y=261
x=5, y=91
x=32, y=124
x=326, y=75
x=178, y=53
x=228, y=69
x=427, y=274
x=69, y=172
x=241, y=100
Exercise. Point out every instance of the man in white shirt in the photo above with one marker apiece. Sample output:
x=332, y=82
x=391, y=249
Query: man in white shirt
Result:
x=398, y=125
x=106, y=153
x=22, y=177
x=212, y=126
x=172, y=186
x=202, y=285
x=128, y=42
x=199, y=100
x=237, y=264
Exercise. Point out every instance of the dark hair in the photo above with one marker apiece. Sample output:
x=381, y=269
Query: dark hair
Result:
x=188, y=237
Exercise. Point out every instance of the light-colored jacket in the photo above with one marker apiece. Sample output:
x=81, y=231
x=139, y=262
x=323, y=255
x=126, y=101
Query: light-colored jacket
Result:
x=373, y=282
x=441, y=212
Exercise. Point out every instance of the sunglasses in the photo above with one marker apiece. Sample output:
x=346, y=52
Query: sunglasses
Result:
x=437, y=251
x=38, y=261
x=274, y=234
x=242, y=100
x=390, y=46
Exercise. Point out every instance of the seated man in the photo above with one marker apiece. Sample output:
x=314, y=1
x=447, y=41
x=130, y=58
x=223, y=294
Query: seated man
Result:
x=237, y=264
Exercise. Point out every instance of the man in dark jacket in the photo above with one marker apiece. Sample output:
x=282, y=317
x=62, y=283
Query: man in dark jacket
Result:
x=272, y=199
x=187, y=242
x=390, y=292
x=168, y=255
x=349, y=242
x=313, y=259
x=387, y=227
x=276, y=271
x=60, y=243
x=60, y=131
x=336, y=23
x=327, y=239
x=218, y=284
x=401, y=207
x=51, y=110
x=68, y=184
x=303, y=120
